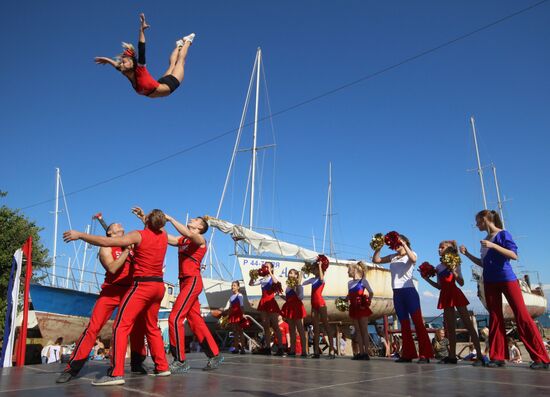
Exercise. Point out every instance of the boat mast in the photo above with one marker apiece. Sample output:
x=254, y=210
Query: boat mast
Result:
x=499, y=201
x=328, y=214
x=254, y=140
x=83, y=260
x=479, y=169
x=56, y=212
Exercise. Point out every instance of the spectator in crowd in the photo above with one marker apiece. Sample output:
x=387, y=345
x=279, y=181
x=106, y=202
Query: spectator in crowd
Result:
x=513, y=351
x=55, y=351
x=384, y=345
x=440, y=344
x=44, y=352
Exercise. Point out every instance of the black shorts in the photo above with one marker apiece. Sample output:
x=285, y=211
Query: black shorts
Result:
x=170, y=81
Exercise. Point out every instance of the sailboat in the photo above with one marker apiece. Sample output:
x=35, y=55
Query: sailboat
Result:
x=534, y=298
x=252, y=248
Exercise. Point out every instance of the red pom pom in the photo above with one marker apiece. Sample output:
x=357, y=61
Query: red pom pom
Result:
x=277, y=288
x=264, y=271
x=427, y=270
x=392, y=240
x=323, y=260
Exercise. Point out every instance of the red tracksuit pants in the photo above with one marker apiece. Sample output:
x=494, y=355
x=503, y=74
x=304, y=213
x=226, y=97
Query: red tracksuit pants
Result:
x=187, y=306
x=528, y=332
x=109, y=299
x=141, y=303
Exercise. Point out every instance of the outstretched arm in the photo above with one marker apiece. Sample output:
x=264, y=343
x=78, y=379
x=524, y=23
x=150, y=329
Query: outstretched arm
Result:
x=432, y=283
x=107, y=61
x=124, y=241
x=464, y=251
x=376, y=258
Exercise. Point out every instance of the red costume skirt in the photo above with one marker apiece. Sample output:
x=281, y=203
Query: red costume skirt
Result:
x=235, y=314
x=268, y=303
x=293, y=308
x=451, y=296
x=359, y=305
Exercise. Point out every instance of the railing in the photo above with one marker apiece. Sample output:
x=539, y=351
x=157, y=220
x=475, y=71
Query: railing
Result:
x=70, y=278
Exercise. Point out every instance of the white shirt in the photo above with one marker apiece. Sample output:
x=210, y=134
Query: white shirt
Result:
x=262, y=281
x=54, y=354
x=44, y=351
x=401, y=272
x=238, y=296
x=483, y=250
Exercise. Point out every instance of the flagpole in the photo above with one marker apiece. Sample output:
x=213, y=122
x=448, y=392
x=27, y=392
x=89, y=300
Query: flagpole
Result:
x=27, y=249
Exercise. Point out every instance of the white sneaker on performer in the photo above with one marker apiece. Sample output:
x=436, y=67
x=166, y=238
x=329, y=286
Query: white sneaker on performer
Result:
x=189, y=38
x=179, y=43
x=108, y=381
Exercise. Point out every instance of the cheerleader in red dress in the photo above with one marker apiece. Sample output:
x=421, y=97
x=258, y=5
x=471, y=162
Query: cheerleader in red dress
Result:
x=135, y=70
x=294, y=311
x=359, y=296
x=268, y=308
x=234, y=310
x=319, y=308
x=451, y=297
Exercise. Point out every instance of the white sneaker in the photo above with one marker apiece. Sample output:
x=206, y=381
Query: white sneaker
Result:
x=108, y=381
x=179, y=43
x=161, y=373
x=189, y=38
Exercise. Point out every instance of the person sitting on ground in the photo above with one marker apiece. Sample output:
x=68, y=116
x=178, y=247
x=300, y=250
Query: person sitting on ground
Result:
x=513, y=351
x=100, y=354
x=440, y=344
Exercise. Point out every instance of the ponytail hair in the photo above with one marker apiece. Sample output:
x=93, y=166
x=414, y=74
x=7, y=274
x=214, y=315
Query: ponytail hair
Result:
x=492, y=216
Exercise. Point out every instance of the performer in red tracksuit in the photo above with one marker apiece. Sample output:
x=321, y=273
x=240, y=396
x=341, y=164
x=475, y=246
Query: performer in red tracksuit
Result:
x=119, y=273
x=497, y=249
x=191, y=249
x=143, y=298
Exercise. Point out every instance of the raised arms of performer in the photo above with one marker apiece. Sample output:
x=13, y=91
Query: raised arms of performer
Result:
x=141, y=41
x=464, y=251
x=101, y=241
x=376, y=258
x=107, y=261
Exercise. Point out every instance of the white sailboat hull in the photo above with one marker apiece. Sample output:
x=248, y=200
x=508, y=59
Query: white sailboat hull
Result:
x=336, y=283
x=535, y=303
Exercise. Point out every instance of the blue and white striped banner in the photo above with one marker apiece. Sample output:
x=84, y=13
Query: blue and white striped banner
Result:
x=11, y=310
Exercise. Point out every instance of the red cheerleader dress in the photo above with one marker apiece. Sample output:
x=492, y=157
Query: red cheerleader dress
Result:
x=317, y=287
x=293, y=307
x=450, y=295
x=236, y=315
x=359, y=302
x=267, y=302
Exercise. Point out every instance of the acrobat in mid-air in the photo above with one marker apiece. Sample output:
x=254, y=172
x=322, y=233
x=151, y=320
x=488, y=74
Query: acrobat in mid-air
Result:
x=134, y=67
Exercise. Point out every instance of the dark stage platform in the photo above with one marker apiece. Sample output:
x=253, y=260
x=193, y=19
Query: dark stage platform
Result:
x=262, y=376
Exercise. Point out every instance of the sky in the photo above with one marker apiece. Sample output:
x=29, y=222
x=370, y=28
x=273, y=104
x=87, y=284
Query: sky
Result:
x=400, y=143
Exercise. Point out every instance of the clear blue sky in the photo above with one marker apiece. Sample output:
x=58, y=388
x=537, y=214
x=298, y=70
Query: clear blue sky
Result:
x=400, y=143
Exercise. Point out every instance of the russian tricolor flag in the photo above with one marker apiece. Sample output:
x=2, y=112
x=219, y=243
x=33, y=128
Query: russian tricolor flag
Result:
x=11, y=311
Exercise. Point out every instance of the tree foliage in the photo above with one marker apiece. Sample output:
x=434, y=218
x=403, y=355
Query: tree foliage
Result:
x=15, y=229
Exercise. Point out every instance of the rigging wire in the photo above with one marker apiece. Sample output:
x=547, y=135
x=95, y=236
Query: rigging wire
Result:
x=304, y=102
